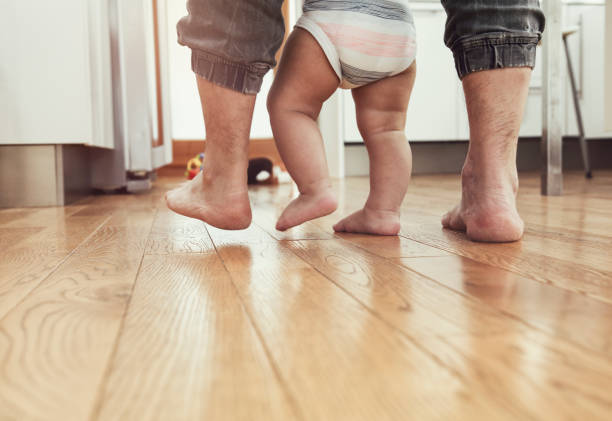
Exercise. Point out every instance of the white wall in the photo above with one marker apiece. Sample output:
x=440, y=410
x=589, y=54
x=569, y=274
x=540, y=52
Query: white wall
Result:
x=187, y=121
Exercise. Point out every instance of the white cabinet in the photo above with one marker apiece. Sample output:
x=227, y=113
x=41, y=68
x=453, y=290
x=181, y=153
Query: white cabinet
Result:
x=55, y=80
x=532, y=118
x=587, y=51
x=437, y=109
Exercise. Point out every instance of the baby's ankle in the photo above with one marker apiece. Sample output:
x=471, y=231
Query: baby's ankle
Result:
x=381, y=209
x=316, y=188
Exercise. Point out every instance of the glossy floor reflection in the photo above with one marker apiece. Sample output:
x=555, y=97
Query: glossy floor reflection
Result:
x=116, y=308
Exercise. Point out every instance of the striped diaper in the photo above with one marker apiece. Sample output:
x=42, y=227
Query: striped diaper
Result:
x=364, y=40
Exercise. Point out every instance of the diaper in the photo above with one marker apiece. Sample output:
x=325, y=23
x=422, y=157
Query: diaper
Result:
x=364, y=40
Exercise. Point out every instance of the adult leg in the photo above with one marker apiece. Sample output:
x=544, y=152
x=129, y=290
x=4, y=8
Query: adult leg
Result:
x=381, y=117
x=494, y=45
x=218, y=194
x=233, y=46
x=304, y=81
x=495, y=101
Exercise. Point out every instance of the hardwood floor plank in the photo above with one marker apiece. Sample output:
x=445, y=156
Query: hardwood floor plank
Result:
x=253, y=234
x=26, y=263
x=317, y=336
x=566, y=274
x=21, y=270
x=188, y=351
x=559, y=312
x=400, y=297
x=36, y=217
x=55, y=344
x=11, y=237
x=15, y=216
x=65, y=235
x=117, y=308
x=326, y=344
x=362, y=272
x=392, y=247
x=537, y=371
x=173, y=233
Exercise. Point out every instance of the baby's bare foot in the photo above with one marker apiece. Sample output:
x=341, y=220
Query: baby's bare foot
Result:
x=370, y=221
x=487, y=211
x=219, y=206
x=306, y=207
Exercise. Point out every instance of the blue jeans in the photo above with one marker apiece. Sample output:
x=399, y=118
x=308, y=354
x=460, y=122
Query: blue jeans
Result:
x=234, y=42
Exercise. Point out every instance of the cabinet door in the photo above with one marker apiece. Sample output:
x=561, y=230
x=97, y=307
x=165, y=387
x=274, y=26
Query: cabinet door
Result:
x=45, y=72
x=591, y=75
x=101, y=82
x=574, y=17
x=587, y=52
x=433, y=113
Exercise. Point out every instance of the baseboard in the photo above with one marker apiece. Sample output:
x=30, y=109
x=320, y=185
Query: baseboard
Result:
x=184, y=150
x=43, y=175
x=448, y=157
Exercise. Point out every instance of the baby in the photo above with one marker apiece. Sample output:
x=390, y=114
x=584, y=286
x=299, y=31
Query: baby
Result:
x=366, y=46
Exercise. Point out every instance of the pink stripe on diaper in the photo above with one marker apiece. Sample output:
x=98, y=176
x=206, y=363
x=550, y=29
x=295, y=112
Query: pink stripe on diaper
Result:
x=369, y=42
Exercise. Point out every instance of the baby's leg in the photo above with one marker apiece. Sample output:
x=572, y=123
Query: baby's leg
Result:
x=304, y=81
x=381, y=117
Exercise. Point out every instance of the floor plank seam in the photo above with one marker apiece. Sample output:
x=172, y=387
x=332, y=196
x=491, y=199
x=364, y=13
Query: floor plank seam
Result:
x=504, y=312
x=55, y=268
x=431, y=245
x=473, y=299
x=98, y=401
x=511, y=270
x=377, y=315
x=279, y=377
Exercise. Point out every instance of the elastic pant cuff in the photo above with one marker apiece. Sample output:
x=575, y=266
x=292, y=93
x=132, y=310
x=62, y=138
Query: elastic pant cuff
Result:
x=243, y=78
x=494, y=51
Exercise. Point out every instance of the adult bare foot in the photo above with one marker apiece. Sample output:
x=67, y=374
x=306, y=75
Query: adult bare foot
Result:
x=370, y=221
x=495, y=102
x=306, y=207
x=487, y=211
x=215, y=203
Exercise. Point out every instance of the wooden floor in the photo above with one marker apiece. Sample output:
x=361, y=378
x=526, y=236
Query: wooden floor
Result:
x=115, y=308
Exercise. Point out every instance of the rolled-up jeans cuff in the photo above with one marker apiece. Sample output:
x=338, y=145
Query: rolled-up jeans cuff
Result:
x=495, y=50
x=240, y=77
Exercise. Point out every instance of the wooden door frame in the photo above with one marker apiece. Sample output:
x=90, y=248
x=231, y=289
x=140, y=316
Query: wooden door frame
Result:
x=608, y=67
x=159, y=141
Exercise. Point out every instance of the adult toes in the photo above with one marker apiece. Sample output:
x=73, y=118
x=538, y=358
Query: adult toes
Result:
x=456, y=222
x=453, y=220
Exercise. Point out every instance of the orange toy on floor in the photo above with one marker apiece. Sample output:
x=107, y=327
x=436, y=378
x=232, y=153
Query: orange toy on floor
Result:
x=194, y=166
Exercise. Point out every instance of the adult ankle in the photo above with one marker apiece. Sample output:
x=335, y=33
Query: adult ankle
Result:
x=231, y=181
x=482, y=172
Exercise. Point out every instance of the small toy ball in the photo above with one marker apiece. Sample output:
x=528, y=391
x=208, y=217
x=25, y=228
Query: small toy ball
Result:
x=194, y=166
